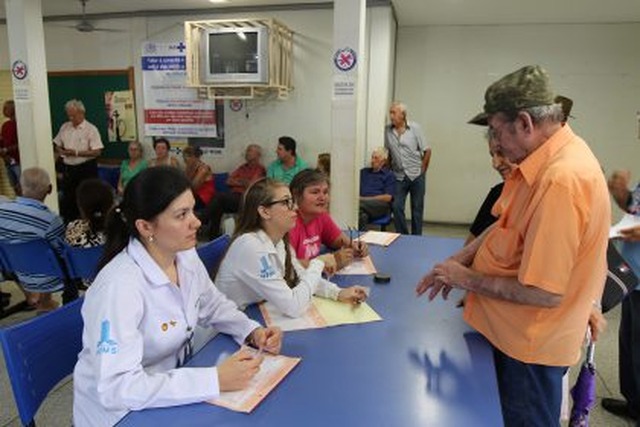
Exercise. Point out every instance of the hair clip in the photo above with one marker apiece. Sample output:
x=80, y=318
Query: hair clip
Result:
x=119, y=212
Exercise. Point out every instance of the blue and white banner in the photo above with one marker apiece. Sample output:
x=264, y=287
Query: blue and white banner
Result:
x=171, y=108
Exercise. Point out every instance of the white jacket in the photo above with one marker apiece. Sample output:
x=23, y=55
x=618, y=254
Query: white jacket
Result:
x=253, y=271
x=137, y=328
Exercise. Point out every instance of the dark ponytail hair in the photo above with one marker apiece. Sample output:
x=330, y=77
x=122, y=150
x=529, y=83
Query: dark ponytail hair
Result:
x=146, y=196
x=260, y=193
x=94, y=198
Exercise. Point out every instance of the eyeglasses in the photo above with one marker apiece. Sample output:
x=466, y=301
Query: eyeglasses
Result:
x=288, y=202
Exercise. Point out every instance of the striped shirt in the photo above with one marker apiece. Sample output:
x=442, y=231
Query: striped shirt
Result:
x=27, y=219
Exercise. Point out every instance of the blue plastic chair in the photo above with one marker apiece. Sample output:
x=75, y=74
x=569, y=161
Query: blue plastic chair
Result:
x=211, y=253
x=39, y=353
x=38, y=257
x=82, y=263
x=220, y=180
x=382, y=221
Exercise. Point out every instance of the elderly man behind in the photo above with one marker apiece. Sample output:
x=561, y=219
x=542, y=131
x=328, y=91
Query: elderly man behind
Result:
x=533, y=276
x=288, y=163
x=377, y=186
x=238, y=181
x=410, y=156
x=27, y=218
x=78, y=143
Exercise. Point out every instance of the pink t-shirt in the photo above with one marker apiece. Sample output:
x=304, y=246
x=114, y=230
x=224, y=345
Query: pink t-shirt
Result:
x=306, y=239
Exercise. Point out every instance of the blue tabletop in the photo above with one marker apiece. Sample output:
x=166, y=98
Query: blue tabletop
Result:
x=421, y=366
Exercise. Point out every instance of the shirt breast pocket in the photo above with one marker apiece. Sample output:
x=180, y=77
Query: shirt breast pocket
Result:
x=504, y=248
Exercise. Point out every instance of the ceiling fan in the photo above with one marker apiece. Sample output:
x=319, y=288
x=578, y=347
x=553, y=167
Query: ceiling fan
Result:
x=85, y=25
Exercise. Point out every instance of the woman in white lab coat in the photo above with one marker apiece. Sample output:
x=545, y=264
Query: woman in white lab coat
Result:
x=259, y=266
x=139, y=314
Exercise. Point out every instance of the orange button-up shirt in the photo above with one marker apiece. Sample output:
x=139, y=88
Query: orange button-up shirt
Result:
x=552, y=231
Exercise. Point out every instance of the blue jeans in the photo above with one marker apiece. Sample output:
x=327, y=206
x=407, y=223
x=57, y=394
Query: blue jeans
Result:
x=530, y=395
x=416, y=188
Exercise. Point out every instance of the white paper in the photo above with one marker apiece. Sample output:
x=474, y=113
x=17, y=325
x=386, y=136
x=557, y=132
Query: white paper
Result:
x=381, y=238
x=359, y=266
x=311, y=319
x=273, y=369
x=627, y=221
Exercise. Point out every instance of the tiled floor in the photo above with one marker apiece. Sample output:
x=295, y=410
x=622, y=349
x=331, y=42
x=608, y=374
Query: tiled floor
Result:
x=56, y=410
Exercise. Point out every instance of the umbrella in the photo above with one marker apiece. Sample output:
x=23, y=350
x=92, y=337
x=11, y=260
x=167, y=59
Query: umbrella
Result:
x=583, y=391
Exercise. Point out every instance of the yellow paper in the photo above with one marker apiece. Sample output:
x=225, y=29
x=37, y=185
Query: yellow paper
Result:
x=338, y=313
x=320, y=314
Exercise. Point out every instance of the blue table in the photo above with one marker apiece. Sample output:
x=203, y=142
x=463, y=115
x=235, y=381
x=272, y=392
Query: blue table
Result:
x=421, y=366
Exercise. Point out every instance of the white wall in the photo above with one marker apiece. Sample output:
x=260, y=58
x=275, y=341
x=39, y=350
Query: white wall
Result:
x=443, y=71
x=304, y=116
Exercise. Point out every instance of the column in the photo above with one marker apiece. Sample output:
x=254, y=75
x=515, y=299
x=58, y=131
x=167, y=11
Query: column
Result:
x=30, y=88
x=348, y=109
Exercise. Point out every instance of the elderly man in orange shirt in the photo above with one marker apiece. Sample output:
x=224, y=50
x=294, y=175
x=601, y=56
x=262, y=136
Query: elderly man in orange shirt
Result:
x=534, y=275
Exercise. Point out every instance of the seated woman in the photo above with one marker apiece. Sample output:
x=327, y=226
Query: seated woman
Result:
x=139, y=314
x=95, y=199
x=314, y=227
x=324, y=163
x=200, y=175
x=258, y=265
x=132, y=167
x=163, y=157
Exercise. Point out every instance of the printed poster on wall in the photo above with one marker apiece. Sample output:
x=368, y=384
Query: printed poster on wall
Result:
x=171, y=108
x=121, y=116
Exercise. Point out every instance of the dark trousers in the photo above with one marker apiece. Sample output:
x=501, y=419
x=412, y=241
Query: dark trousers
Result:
x=530, y=395
x=629, y=350
x=416, y=189
x=371, y=209
x=221, y=204
x=71, y=178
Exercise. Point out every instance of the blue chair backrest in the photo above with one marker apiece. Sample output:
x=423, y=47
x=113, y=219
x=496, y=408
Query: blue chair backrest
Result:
x=39, y=353
x=32, y=257
x=110, y=174
x=81, y=262
x=220, y=180
x=211, y=253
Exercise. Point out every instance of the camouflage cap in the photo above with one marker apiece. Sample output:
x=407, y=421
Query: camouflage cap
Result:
x=527, y=87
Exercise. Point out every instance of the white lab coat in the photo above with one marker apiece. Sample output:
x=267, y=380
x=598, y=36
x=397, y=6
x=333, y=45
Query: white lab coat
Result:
x=136, y=328
x=253, y=271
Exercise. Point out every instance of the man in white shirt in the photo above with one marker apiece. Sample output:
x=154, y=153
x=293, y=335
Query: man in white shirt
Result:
x=78, y=143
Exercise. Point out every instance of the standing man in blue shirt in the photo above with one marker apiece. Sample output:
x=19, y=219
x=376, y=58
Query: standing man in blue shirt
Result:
x=377, y=187
x=410, y=157
x=629, y=332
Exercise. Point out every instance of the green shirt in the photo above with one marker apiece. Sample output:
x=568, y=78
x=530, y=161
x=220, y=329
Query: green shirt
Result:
x=126, y=174
x=278, y=172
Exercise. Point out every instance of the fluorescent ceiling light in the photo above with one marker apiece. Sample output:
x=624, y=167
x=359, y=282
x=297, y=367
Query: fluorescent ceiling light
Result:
x=218, y=1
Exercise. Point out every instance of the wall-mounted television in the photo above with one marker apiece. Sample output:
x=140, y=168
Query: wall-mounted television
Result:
x=235, y=56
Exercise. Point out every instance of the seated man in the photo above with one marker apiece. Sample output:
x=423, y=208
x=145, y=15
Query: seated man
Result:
x=238, y=182
x=377, y=185
x=27, y=218
x=288, y=163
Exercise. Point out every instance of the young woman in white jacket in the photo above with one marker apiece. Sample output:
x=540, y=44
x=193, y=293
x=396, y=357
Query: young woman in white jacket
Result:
x=140, y=312
x=259, y=265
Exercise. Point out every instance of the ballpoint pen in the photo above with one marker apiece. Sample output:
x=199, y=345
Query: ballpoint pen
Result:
x=350, y=236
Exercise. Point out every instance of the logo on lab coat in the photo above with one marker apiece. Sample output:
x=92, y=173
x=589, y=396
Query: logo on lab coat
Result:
x=266, y=270
x=106, y=345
